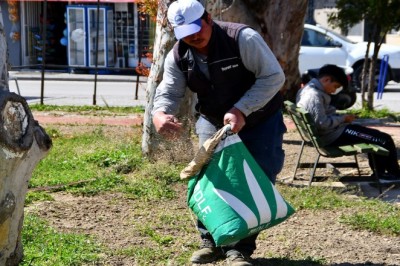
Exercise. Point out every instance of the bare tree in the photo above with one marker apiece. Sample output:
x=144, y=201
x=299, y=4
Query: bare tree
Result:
x=152, y=145
x=162, y=44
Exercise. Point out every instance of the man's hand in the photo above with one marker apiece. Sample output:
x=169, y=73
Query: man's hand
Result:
x=235, y=118
x=349, y=118
x=167, y=125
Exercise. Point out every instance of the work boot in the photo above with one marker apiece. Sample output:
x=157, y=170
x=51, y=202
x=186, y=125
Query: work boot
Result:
x=235, y=258
x=207, y=253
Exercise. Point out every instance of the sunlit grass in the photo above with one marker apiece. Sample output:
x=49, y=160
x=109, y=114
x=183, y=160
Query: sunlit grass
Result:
x=362, y=213
x=88, y=109
x=44, y=246
x=376, y=113
x=94, y=162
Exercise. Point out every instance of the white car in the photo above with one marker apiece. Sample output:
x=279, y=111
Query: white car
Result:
x=322, y=46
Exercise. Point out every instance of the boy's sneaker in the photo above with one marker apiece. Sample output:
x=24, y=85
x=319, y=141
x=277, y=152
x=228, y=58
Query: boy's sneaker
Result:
x=235, y=258
x=207, y=253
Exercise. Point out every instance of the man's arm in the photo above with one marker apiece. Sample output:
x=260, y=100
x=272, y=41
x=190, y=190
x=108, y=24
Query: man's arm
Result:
x=171, y=90
x=169, y=95
x=258, y=58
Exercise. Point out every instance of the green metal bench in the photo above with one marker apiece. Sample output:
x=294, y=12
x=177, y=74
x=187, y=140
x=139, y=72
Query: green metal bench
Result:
x=306, y=127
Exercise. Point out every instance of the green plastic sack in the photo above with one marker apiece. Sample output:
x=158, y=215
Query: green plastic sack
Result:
x=233, y=197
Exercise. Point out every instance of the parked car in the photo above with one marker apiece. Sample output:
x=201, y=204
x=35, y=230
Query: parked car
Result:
x=322, y=46
x=346, y=98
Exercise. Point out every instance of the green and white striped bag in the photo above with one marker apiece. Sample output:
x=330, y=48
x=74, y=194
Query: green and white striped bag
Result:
x=233, y=197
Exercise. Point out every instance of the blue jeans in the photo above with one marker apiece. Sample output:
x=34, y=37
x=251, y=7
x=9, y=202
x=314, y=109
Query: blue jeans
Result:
x=264, y=141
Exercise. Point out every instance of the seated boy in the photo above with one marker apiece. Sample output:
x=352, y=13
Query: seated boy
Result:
x=336, y=129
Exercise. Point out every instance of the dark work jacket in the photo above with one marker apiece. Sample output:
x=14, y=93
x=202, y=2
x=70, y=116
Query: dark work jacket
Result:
x=229, y=79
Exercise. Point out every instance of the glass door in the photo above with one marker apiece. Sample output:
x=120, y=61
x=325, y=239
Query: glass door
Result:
x=93, y=41
x=110, y=38
x=77, y=38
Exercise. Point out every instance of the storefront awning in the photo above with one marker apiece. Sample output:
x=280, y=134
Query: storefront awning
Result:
x=82, y=1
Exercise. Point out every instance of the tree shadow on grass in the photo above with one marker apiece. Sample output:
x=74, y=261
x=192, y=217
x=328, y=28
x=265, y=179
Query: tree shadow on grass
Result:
x=306, y=262
x=284, y=262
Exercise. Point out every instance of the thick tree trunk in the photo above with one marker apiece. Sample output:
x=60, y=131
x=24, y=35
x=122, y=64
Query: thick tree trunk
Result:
x=23, y=143
x=280, y=23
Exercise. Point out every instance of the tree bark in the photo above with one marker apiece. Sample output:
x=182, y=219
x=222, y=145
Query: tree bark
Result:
x=23, y=143
x=3, y=61
x=372, y=82
x=364, y=75
x=280, y=23
x=377, y=31
x=163, y=42
x=153, y=146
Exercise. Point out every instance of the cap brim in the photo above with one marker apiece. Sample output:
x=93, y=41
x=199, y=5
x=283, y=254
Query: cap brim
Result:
x=187, y=29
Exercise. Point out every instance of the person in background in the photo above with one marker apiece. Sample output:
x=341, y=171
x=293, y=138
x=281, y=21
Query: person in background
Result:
x=337, y=129
x=237, y=80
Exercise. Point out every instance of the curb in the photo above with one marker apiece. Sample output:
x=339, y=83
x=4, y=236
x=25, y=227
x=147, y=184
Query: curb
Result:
x=20, y=75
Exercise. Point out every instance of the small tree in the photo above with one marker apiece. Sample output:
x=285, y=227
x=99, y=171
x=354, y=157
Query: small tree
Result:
x=153, y=146
x=23, y=143
x=383, y=16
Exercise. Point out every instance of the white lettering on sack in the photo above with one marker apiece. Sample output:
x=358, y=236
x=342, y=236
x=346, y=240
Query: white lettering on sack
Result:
x=200, y=199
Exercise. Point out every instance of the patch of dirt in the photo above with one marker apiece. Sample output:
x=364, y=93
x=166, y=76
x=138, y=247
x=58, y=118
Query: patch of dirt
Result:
x=118, y=223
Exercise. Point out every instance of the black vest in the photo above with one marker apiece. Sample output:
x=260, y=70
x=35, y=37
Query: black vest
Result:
x=229, y=79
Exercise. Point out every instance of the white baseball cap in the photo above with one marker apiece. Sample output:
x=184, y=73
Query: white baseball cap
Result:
x=185, y=17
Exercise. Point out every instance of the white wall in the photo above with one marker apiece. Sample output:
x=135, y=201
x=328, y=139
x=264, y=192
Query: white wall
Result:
x=355, y=33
